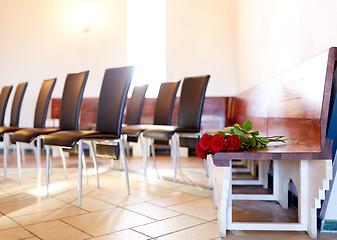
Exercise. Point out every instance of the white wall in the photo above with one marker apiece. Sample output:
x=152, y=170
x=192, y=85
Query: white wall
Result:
x=275, y=35
x=39, y=40
x=201, y=39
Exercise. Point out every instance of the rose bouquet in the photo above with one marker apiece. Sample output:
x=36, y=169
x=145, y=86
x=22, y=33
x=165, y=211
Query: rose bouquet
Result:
x=233, y=138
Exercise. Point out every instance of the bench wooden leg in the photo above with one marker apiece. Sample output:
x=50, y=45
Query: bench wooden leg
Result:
x=311, y=178
x=221, y=187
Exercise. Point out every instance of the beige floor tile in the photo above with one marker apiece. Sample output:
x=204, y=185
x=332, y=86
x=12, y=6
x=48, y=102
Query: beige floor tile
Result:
x=203, y=192
x=166, y=184
x=48, y=216
x=123, y=199
x=3, y=194
x=107, y=221
x=117, y=183
x=253, y=215
x=16, y=197
x=42, y=205
x=202, y=208
x=56, y=230
x=14, y=234
x=20, y=188
x=7, y=183
x=161, y=191
x=70, y=195
x=9, y=207
x=123, y=235
x=167, y=226
x=266, y=206
x=206, y=231
x=152, y=211
x=93, y=205
x=175, y=199
x=6, y=223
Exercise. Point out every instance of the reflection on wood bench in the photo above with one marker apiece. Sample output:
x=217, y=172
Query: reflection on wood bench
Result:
x=296, y=103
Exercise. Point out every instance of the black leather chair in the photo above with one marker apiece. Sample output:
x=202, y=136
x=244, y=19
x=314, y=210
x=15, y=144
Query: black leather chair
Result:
x=115, y=86
x=39, y=122
x=135, y=105
x=162, y=116
x=14, y=121
x=189, y=116
x=4, y=96
x=69, y=116
x=132, y=116
x=134, y=110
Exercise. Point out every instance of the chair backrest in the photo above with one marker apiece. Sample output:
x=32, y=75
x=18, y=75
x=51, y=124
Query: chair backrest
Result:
x=165, y=103
x=111, y=103
x=191, y=101
x=4, y=96
x=43, y=103
x=17, y=103
x=135, y=105
x=71, y=100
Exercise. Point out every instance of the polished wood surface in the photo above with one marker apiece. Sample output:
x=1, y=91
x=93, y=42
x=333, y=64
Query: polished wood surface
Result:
x=215, y=111
x=294, y=104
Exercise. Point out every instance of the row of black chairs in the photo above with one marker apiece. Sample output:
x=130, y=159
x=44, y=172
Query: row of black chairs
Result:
x=161, y=132
x=112, y=100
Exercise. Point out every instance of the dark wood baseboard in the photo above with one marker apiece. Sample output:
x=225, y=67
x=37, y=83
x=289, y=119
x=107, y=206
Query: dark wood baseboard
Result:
x=215, y=112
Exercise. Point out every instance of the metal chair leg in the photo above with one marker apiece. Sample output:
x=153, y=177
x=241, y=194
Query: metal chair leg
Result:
x=125, y=166
x=47, y=168
x=153, y=154
x=18, y=161
x=64, y=163
x=174, y=145
x=178, y=150
x=85, y=167
x=80, y=149
x=127, y=146
x=23, y=157
x=94, y=159
x=145, y=153
x=38, y=160
x=5, y=155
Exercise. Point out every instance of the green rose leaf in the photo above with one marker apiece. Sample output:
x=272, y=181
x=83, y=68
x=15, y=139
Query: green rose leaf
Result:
x=247, y=125
x=264, y=141
x=238, y=132
x=245, y=139
x=255, y=133
x=253, y=142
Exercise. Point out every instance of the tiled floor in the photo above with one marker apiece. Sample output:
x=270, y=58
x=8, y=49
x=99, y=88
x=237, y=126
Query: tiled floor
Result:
x=156, y=209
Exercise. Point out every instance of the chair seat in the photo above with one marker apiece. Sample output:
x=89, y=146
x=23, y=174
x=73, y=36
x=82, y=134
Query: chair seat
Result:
x=27, y=135
x=8, y=129
x=70, y=138
x=135, y=130
x=163, y=132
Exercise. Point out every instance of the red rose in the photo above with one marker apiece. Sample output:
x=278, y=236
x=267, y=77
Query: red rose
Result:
x=205, y=142
x=218, y=143
x=233, y=143
x=201, y=153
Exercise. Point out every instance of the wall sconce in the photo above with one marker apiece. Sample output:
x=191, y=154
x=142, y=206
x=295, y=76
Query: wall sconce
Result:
x=86, y=17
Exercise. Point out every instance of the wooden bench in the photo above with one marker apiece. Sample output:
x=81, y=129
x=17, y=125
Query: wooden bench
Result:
x=295, y=103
